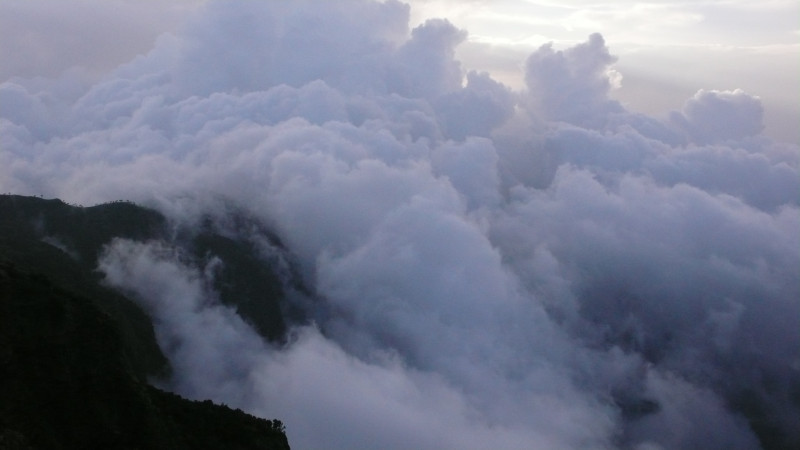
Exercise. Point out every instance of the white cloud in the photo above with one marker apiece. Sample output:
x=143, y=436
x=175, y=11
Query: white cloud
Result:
x=712, y=116
x=490, y=267
x=572, y=85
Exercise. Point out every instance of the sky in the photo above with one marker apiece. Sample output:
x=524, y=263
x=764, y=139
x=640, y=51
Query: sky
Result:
x=502, y=246
x=667, y=49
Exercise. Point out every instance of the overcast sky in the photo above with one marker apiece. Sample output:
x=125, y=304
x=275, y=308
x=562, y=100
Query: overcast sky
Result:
x=667, y=49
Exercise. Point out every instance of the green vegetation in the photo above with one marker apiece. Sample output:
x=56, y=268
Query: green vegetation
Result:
x=75, y=355
x=62, y=242
x=244, y=282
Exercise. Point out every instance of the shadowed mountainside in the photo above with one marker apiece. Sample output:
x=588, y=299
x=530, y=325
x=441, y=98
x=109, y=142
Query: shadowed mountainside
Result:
x=75, y=355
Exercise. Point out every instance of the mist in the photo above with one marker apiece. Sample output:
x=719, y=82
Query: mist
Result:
x=487, y=267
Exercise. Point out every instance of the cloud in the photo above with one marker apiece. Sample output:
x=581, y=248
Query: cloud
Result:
x=259, y=45
x=379, y=402
x=713, y=116
x=476, y=110
x=682, y=408
x=572, y=85
x=488, y=267
x=25, y=110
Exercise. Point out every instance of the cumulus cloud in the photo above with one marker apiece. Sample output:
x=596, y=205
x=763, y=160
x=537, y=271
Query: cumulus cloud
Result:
x=713, y=116
x=488, y=267
x=572, y=85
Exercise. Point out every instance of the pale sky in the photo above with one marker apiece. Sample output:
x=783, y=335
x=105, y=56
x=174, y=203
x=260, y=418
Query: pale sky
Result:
x=667, y=49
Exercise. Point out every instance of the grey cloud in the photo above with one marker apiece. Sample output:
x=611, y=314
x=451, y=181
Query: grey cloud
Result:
x=689, y=417
x=476, y=110
x=572, y=85
x=313, y=376
x=25, y=110
x=680, y=300
x=259, y=45
x=718, y=116
x=489, y=268
x=426, y=61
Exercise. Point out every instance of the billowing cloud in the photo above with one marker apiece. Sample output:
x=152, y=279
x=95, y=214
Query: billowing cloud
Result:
x=487, y=267
x=572, y=85
x=712, y=116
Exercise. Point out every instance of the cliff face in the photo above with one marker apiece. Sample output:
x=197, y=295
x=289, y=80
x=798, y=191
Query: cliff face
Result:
x=74, y=355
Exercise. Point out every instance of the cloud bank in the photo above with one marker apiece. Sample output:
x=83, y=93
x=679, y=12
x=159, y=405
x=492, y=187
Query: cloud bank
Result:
x=489, y=268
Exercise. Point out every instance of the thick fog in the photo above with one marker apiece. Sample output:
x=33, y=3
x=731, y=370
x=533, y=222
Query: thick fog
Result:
x=488, y=268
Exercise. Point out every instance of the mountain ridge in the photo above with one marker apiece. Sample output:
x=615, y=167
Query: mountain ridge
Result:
x=77, y=355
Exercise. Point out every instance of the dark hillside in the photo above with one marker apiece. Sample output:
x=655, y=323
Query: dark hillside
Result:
x=65, y=382
x=82, y=231
x=75, y=355
x=61, y=242
x=64, y=241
